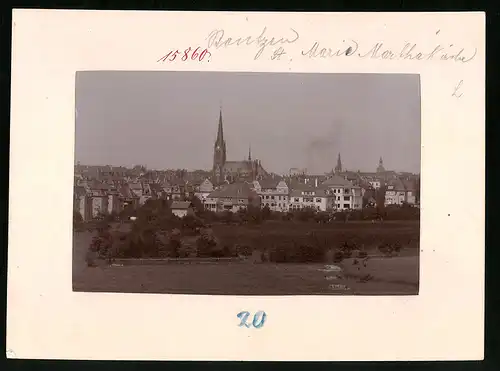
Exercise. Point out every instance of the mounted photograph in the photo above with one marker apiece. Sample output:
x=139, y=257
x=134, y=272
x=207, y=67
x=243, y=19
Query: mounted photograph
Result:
x=232, y=183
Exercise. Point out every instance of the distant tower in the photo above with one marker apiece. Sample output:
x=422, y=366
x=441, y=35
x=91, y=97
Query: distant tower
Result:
x=219, y=152
x=338, y=168
x=380, y=167
x=249, y=153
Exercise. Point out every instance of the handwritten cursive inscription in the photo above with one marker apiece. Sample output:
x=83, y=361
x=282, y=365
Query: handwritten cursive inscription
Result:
x=409, y=51
x=413, y=52
x=216, y=39
x=456, y=92
x=349, y=48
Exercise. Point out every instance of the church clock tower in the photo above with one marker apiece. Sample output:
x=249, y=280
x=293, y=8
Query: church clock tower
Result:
x=219, y=153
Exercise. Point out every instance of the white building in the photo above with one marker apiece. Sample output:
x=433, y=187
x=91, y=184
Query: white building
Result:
x=181, y=208
x=232, y=197
x=273, y=193
x=346, y=195
x=205, y=188
x=375, y=184
x=314, y=198
x=399, y=192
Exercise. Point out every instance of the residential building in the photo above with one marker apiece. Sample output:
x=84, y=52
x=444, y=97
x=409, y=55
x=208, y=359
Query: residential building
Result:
x=82, y=202
x=128, y=197
x=318, y=199
x=99, y=205
x=400, y=191
x=232, y=197
x=182, y=208
x=114, y=202
x=347, y=195
x=204, y=189
x=411, y=191
x=273, y=193
x=175, y=189
x=395, y=193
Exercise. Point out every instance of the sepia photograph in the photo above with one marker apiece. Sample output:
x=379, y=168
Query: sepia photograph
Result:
x=231, y=183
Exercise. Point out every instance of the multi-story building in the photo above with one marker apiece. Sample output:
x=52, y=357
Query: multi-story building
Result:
x=346, y=195
x=204, y=189
x=400, y=191
x=273, y=193
x=318, y=199
x=232, y=197
x=175, y=189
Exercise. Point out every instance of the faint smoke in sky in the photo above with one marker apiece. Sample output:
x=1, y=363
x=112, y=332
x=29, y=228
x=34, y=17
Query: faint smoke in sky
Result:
x=322, y=150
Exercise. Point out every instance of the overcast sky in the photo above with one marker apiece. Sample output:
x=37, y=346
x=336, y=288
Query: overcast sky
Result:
x=169, y=119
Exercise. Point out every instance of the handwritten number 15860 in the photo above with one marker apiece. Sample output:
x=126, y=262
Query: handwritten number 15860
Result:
x=189, y=53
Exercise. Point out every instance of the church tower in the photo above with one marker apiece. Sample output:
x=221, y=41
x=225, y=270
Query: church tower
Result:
x=338, y=168
x=380, y=168
x=219, y=152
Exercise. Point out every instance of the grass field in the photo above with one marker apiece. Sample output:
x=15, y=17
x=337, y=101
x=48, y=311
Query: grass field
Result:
x=387, y=276
x=366, y=234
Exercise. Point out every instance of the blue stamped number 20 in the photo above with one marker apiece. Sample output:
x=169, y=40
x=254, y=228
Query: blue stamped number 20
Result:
x=258, y=321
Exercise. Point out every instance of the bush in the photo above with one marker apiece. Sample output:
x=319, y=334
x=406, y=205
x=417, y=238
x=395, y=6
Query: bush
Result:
x=305, y=214
x=338, y=257
x=310, y=254
x=278, y=254
x=206, y=244
x=303, y=253
x=244, y=250
x=192, y=223
x=362, y=254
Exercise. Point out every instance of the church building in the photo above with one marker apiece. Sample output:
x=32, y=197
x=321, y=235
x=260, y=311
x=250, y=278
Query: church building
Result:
x=233, y=171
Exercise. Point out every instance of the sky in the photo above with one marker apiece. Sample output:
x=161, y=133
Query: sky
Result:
x=168, y=120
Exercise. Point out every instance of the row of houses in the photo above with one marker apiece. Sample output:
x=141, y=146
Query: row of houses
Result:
x=334, y=192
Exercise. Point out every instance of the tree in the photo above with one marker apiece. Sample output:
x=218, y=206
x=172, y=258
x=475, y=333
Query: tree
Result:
x=127, y=212
x=197, y=205
x=380, y=197
x=227, y=216
x=77, y=217
x=192, y=222
x=253, y=214
x=206, y=244
x=266, y=212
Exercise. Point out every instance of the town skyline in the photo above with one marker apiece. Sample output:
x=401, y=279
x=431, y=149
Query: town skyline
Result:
x=131, y=166
x=120, y=121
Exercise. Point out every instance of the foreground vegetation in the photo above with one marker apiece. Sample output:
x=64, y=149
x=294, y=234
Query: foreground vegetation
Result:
x=303, y=236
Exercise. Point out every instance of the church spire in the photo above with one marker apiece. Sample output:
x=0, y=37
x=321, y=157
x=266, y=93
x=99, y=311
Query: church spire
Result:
x=250, y=152
x=338, y=168
x=220, y=131
x=219, y=152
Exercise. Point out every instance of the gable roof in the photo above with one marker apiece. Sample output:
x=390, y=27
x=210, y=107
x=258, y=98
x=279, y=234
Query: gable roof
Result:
x=237, y=166
x=80, y=191
x=155, y=187
x=409, y=185
x=268, y=183
x=234, y=190
x=397, y=185
x=180, y=205
x=126, y=192
x=337, y=181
